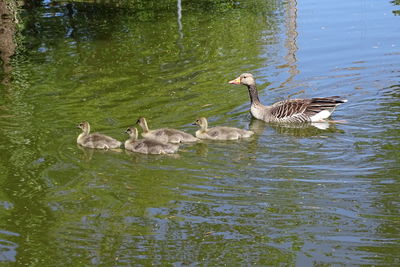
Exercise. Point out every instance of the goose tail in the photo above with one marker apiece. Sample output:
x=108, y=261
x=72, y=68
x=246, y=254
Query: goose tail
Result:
x=323, y=107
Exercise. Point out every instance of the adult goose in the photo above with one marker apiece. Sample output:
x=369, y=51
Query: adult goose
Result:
x=147, y=146
x=292, y=110
x=219, y=132
x=165, y=135
x=95, y=140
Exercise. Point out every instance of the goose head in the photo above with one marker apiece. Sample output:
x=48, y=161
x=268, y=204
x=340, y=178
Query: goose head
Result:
x=85, y=126
x=202, y=123
x=245, y=79
x=132, y=132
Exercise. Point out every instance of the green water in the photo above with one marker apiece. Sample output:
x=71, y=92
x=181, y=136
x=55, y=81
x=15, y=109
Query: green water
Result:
x=289, y=195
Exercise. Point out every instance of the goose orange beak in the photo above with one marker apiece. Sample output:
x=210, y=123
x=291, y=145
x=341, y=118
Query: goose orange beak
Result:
x=235, y=81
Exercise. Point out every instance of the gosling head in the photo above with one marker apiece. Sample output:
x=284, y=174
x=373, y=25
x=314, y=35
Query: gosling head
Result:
x=202, y=123
x=132, y=132
x=84, y=126
x=245, y=79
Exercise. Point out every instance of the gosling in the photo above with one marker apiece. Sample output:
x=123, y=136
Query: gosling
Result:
x=165, y=135
x=220, y=132
x=147, y=146
x=95, y=140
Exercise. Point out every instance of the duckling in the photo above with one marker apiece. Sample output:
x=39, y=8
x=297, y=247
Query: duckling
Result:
x=95, y=140
x=165, y=135
x=219, y=133
x=147, y=146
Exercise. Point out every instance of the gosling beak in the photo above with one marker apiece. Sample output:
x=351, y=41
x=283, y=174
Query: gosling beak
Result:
x=77, y=126
x=138, y=121
x=235, y=81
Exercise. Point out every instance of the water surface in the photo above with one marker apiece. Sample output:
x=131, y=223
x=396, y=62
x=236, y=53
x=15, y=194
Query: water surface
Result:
x=293, y=195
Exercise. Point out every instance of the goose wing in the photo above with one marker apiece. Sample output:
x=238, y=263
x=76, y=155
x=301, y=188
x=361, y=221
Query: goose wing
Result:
x=303, y=109
x=319, y=104
x=290, y=108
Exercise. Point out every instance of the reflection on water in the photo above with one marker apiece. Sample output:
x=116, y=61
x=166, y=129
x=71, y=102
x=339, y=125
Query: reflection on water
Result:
x=296, y=129
x=87, y=153
x=309, y=194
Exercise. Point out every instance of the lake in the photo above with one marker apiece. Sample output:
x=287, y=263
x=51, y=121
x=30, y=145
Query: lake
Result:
x=292, y=195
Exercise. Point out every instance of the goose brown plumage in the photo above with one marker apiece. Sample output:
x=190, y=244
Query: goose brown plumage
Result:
x=315, y=109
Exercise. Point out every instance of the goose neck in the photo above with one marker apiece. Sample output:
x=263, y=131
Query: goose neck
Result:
x=204, y=126
x=145, y=126
x=86, y=130
x=253, y=93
